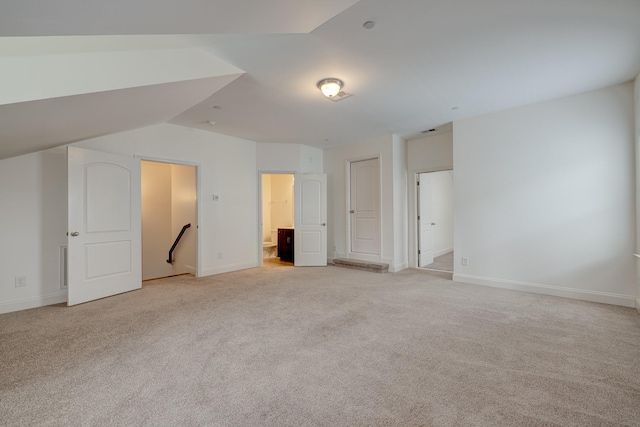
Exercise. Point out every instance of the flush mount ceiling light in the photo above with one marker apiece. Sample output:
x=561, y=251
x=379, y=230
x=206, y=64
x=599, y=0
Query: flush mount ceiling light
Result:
x=330, y=87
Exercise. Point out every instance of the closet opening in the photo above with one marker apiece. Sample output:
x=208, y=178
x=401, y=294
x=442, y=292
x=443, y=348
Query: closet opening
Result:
x=169, y=210
x=435, y=220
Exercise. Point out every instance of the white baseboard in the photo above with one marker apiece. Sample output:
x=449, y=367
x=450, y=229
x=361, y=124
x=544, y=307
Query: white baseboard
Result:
x=227, y=269
x=442, y=252
x=398, y=267
x=638, y=305
x=558, y=291
x=33, y=302
x=190, y=269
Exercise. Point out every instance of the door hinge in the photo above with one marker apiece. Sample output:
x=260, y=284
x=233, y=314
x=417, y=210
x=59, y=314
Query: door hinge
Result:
x=418, y=182
x=418, y=217
x=419, y=252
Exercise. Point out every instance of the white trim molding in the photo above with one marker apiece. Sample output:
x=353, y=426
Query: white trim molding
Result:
x=398, y=267
x=33, y=302
x=558, y=291
x=638, y=305
x=228, y=268
x=190, y=269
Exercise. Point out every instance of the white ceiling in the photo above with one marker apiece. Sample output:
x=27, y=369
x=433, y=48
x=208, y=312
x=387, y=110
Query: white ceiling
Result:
x=95, y=17
x=422, y=58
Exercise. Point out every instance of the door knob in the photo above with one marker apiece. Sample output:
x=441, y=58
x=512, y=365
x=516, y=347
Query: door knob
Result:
x=433, y=223
x=75, y=233
x=352, y=211
x=324, y=224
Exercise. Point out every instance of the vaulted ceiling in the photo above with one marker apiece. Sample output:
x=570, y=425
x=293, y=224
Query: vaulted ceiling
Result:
x=251, y=66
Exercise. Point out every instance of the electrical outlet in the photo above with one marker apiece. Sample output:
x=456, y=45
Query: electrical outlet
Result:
x=20, y=281
x=219, y=255
x=465, y=261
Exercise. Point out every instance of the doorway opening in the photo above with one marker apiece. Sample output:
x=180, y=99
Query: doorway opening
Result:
x=169, y=219
x=435, y=220
x=277, y=224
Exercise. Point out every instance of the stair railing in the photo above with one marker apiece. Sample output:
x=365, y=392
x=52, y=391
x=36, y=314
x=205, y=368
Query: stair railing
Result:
x=170, y=260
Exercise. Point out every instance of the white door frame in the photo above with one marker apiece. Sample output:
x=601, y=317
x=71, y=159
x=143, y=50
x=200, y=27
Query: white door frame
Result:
x=349, y=254
x=259, y=205
x=198, y=201
x=413, y=212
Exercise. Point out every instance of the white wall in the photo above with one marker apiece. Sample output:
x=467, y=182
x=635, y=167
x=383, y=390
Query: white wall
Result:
x=32, y=232
x=544, y=197
x=335, y=166
x=311, y=159
x=427, y=154
x=430, y=153
x=293, y=158
x=400, y=213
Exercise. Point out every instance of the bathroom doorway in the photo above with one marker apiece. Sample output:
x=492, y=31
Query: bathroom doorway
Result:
x=277, y=213
x=169, y=210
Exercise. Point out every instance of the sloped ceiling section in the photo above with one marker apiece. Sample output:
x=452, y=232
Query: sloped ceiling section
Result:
x=36, y=125
x=63, y=89
x=51, y=67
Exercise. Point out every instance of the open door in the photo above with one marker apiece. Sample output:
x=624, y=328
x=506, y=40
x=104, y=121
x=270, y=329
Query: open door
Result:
x=425, y=241
x=310, y=236
x=104, y=243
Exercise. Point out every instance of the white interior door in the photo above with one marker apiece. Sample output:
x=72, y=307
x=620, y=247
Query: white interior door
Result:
x=365, y=207
x=104, y=256
x=425, y=224
x=310, y=229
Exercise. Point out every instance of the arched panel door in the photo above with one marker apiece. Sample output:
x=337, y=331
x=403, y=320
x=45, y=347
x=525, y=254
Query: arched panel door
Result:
x=104, y=240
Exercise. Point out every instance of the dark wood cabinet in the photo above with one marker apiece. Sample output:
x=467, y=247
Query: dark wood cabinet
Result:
x=285, y=244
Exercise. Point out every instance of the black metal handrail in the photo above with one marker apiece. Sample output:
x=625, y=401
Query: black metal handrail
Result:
x=170, y=260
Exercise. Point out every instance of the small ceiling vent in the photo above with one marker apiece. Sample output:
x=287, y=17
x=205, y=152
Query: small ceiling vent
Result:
x=340, y=96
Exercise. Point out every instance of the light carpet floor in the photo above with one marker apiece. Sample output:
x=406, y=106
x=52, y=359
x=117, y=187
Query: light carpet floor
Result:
x=284, y=346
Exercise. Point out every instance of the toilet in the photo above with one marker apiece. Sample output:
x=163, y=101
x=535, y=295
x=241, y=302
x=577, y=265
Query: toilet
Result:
x=269, y=248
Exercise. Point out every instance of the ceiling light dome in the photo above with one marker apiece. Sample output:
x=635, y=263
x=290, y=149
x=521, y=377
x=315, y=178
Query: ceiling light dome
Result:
x=330, y=87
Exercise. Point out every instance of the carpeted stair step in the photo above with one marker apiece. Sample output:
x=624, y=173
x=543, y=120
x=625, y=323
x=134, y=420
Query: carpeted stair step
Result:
x=374, y=267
